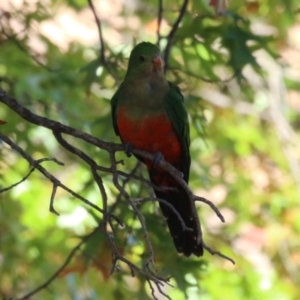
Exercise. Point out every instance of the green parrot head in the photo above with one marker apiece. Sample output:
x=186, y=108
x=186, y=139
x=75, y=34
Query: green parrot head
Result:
x=145, y=58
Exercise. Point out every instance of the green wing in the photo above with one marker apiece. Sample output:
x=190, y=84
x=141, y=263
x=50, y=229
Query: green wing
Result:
x=113, y=104
x=177, y=113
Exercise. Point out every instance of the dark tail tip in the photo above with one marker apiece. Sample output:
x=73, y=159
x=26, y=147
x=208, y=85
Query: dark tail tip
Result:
x=185, y=241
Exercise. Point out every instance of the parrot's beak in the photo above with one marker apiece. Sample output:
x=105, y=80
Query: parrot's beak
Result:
x=158, y=63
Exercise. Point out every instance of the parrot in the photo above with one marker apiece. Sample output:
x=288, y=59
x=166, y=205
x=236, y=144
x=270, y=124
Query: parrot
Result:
x=148, y=113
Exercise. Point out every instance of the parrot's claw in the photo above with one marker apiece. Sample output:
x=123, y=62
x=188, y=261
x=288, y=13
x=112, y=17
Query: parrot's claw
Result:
x=128, y=149
x=157, y=159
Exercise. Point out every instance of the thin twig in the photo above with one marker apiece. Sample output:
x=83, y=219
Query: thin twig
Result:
x=171, y=35
x=166, y=203
x=212, y=206
x=159, y=289
x=42, y=170
x=159, y=19
x=214, y=252
x=93, y=165
x=152, y=290
x=51, y=208
x=150, y=260
x=119, y=197
x=162, y=292
x=29, y=173
x=158, y=280
x=103, y=60
x=99, y=27
x=14, y=35
x=33, y=56
x=59, y=270
x=17, y=183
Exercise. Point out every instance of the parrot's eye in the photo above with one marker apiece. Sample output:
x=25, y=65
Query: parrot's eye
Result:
x=142, y=58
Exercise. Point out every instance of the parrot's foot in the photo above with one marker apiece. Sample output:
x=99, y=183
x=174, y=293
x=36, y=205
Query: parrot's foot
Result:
x=157, y=158
x=128, y=149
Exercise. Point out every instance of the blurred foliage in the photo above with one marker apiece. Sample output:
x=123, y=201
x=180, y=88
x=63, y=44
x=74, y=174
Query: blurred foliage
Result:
x=239, y=73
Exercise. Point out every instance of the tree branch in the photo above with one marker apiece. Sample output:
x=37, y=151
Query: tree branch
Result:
x=33, y=55
x=103, y=60
x=58, y=271
x=42, y=170
x=171, y=35
x=58, y=129
x=159, y=18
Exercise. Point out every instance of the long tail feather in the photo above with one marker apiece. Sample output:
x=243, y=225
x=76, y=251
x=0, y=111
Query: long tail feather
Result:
x=184, y=241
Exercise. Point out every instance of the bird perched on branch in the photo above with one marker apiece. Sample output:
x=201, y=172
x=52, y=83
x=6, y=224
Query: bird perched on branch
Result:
x=149, y=114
